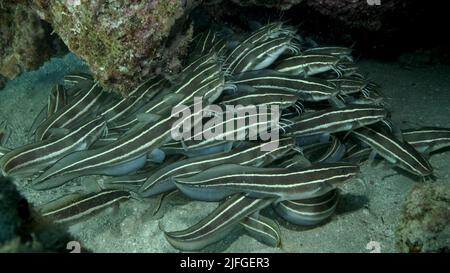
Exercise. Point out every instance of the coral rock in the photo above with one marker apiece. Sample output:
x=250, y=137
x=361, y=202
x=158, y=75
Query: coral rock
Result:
x=425, y=223
x=22, y=229
x=279, y=4
x=366, y=14
x=122, y=41
x=23, y=40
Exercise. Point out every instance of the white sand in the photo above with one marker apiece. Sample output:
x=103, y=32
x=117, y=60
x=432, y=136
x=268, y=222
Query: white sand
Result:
x=370, y=212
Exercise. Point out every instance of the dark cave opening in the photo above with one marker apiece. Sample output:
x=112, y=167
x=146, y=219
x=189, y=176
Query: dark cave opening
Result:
x=406, y=32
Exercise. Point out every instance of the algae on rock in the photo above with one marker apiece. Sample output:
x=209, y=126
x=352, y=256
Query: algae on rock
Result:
x=122, y=41
x=279, y=4
x=24, y=43
x=425, y=223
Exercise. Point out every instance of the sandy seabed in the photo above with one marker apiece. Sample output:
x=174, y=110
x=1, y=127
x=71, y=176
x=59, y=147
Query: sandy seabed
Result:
x=368, y=212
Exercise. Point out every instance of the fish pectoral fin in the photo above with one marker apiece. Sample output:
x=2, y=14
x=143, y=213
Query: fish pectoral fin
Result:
x=183, y=144
x=52, y=182
x=228, y=146
x=157, y=155
x=37, y=121
x=336, y=102
x=427, y=152
x=374, y=160
x=303, y=161
x=255, y=215
x=163, y=200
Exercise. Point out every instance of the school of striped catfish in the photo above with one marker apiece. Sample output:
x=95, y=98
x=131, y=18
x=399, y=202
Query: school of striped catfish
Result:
x=331, y=119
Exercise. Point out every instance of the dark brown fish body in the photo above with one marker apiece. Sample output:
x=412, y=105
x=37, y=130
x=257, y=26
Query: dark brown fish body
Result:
x=393, y=150
x=71, y=208
x=287, y=184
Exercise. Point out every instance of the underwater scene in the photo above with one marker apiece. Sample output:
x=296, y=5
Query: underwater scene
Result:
x=291, y=126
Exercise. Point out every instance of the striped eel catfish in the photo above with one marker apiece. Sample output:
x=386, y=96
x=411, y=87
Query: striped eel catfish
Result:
x=394, y=151
x=3, y=151
x=209, y=90
x=349, y=86
x=218, y=182
x=263, y=55
x=309, y=211
x=42, y=115
x=129, y=153
x=336, y=120
x=310, y=89
x=205, y=73
x=78, y=79
x=248, y=130
x=56, y=100
x=326, y=152
x=239, y=127
x=309, y=65
x=346, y=69
x=358, y=91
x=217, y=224
x=205, y=42
x=35, y=157
x=297, y=160
x=236, y=54
x=273, y=30
x=73, y=207
x=220, y=47
x=136, y=98
x=76, y=83
x=427, y=140
x=281, y=98
x=251, y=155
x=109, y=138
x=71, y=113
x=133, y=182
x=177, y=148
x=341, y=52
x=372, y=100
x=263, y=229
x=4, y=132
x=357, y=154
x=198, y=64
